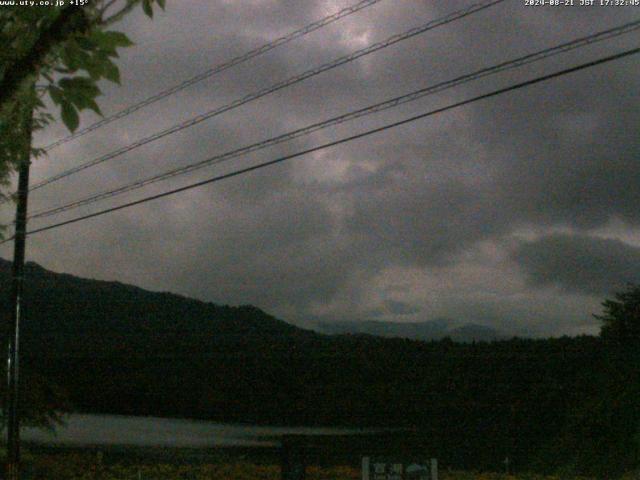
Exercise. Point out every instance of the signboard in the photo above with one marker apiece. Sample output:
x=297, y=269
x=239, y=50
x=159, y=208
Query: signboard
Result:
x=294, y=471
x=388, y=468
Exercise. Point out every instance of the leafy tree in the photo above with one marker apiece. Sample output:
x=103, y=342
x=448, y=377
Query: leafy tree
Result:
x=621, y=318
x=603, y=436
x=61, y=53
x=65, y=51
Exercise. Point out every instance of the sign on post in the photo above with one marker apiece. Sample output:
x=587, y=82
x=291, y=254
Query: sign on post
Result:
x=386, y=468
x=294, y=471
x=293, y=464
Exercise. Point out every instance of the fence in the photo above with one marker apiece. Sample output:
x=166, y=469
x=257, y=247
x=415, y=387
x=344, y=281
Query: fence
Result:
x=394, y=456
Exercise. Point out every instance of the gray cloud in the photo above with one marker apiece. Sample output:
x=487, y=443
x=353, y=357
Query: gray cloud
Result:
x=579, y=263
x=329, y=235
x=400, y=308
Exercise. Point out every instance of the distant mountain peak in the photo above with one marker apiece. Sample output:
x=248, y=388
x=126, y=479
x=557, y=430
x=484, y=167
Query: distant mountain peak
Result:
x=435, y=329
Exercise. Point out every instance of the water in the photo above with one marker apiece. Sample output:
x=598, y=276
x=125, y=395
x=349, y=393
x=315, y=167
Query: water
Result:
x=81, y=429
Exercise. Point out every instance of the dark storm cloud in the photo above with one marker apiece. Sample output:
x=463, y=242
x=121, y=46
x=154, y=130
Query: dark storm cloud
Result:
x=400, y=308
x=579, y=263
x=324, y=236
x=416, y=217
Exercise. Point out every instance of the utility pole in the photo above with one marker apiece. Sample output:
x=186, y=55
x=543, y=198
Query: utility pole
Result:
x=11, y=410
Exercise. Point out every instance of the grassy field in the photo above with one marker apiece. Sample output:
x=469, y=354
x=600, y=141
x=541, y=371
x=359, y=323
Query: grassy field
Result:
x=86, y=466
x=144, y=463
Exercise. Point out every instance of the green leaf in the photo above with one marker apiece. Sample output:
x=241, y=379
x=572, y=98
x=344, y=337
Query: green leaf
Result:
x=108, y=42
x=81, y=85
x=79, y=101
x=37, y=152
x=95, y=68
x=70, y=62
x=79, y=93
x=91, y=104
x=161, y=3
x=116, y=39
x=73, y=56
x=146, y=7
x=86, y=43
x=111, y=72
x=69, y=116
x=56, y=94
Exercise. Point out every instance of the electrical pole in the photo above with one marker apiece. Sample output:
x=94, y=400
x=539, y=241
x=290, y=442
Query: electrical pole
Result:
x=11, y=410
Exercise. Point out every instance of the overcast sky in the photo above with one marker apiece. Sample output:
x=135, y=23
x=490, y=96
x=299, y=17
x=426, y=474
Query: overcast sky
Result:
x=521, y=212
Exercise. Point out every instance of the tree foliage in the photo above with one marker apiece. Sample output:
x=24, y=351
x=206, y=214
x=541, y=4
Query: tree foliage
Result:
x=60, y=53
x=64, y=52
x=621, y=318
x=550, y=405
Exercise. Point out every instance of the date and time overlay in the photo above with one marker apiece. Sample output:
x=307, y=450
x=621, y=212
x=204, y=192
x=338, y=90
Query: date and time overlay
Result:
x=526, y=3
x=581, y=3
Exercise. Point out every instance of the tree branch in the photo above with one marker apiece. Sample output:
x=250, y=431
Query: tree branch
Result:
x=71, y=20
x=106, y=7
x=120, y=13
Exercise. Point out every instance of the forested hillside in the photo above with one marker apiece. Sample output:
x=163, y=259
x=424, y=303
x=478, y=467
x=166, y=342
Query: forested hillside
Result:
x=569, y=403
x=437, y=329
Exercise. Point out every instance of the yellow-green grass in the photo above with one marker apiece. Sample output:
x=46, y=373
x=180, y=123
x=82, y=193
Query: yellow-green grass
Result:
x=84, y=467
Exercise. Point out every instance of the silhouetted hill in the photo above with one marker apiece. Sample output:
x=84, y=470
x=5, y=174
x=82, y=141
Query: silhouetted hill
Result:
x=426, y=331
x=475, y=333
x=115, y=348
x=62, y=304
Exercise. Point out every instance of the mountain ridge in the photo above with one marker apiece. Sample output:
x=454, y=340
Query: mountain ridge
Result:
x=113, y=348
x=74, y=303
x=40, y=279
x=429, y=330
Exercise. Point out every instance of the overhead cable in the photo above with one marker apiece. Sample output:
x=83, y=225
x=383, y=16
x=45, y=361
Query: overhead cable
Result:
x=217, y=69
x=367, y=133
x=273, y=88
x=378, y=107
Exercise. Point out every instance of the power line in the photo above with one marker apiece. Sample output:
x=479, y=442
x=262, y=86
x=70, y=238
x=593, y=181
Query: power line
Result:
x=218, y=69
x=342, y=140
x=273, y=88
x=387, y=104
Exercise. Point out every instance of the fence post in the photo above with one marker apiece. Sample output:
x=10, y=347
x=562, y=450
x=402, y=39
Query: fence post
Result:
x=293, y=459
x=434, y=469
x=99, y=457
x=365, y=468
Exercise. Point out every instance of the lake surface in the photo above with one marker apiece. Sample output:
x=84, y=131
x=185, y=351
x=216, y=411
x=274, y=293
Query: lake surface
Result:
x=81, y=429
